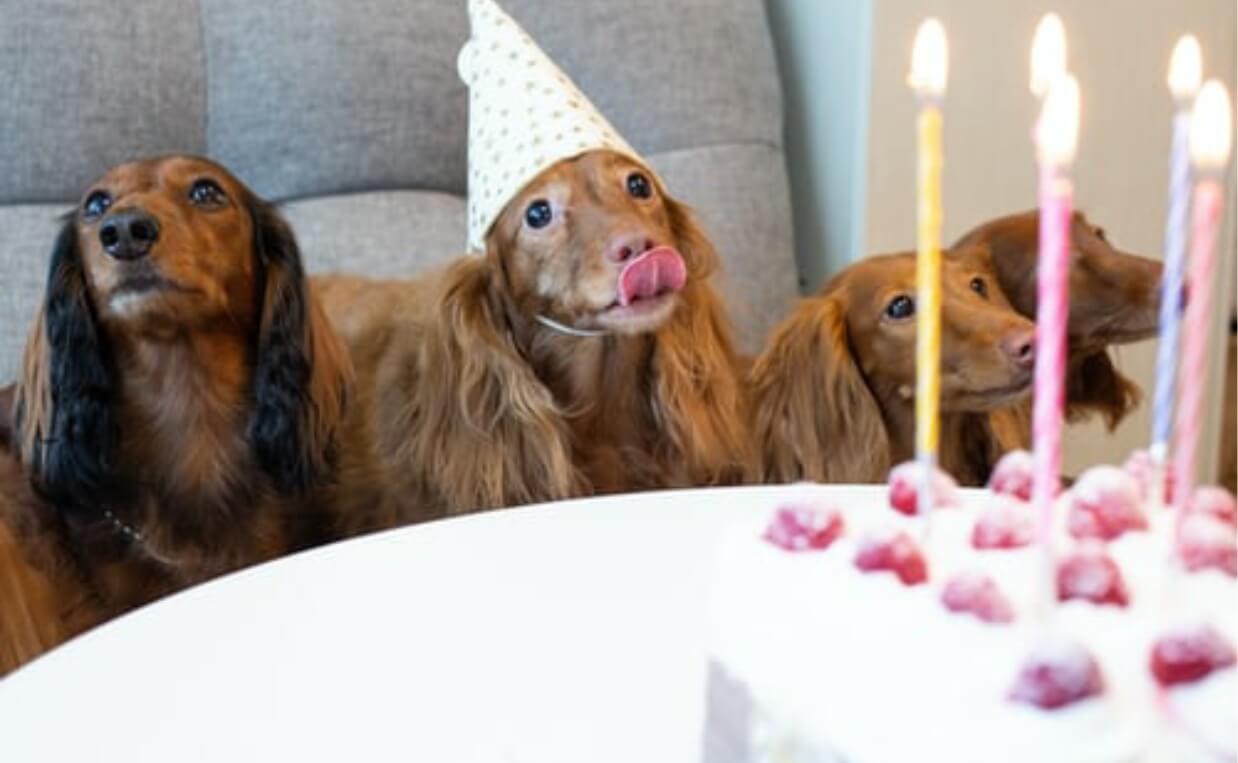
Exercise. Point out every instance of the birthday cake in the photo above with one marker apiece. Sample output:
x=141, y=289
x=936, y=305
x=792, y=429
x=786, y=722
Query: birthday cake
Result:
x=844, y=629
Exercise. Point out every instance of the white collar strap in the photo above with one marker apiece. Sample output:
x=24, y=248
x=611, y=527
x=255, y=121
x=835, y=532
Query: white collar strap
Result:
x=569, y=330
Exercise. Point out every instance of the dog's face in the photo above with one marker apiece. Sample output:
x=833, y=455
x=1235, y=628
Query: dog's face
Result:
x=987, y=349
x=167, y=245
x=164, y=253
x=1114, y=296
x=591, y=242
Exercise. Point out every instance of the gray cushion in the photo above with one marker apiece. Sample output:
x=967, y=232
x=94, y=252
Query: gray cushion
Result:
x=29, y=231
x=88, y=85
x=322, y=96
x=385, y=234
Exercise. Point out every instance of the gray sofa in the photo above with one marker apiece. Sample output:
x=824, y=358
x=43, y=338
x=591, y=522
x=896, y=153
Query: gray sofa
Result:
x=350, y=113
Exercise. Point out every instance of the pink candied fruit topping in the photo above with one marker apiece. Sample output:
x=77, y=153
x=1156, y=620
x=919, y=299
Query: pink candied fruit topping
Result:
x=1091, y=576
x=803, y=528
x=895, y=553
x=1104, y=504
x=1189, y=654
x=1004, y=524
x=1140, y=465
x=1215, y=502
x=979, y=595
x=905, y=481
x=1057, y=674
x=1206, y=542
x=1012, y=475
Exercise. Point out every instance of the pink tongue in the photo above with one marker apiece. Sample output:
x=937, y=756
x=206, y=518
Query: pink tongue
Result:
x=655, y=272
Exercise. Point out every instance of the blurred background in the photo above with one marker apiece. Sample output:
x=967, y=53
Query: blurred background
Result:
x=851, y=140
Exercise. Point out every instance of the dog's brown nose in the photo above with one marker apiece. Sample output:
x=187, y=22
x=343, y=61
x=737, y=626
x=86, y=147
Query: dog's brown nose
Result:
x=1020, y=347
x=625, y=246
x=128, y=235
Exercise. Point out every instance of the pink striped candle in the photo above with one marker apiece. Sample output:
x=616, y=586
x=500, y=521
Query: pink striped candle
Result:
x=1211, y=135
x=1056, y=135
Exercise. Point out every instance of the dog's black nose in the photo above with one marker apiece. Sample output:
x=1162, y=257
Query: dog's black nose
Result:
x=128, y=235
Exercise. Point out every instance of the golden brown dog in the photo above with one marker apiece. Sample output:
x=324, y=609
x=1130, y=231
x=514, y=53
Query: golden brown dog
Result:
x=178, y=411
x=474, y=402
x=834, y=389
x=1114, y=299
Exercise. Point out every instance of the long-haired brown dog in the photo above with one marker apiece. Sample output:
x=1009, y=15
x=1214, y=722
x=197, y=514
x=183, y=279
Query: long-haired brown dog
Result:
x=179, y=406
x=1114, y=299
x=833, y=389
x=474, y=402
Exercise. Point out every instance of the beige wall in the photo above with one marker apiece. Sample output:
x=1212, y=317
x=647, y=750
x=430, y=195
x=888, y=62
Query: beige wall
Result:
x=1119, y=49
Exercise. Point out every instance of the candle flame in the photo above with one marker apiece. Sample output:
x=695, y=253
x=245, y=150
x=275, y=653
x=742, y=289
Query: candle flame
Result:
x=929, y=59
x=1212, y=127
x=1048, y=54
x=1185, y=68
x=1058, y=128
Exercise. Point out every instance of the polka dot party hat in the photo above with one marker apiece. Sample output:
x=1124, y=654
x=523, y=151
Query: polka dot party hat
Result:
x=524, y=115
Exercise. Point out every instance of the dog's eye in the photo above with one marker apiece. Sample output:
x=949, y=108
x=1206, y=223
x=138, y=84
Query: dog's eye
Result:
x=638, y=186
x=1100, y=234
x=206, y=193
x=539, y=214
x=980, y=287
x=901, y=307
x=96, y=204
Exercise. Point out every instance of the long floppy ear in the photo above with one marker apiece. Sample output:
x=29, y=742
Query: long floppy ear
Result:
x=815, y=417
x=480, y=425
x=65, y=405
x=302, y=374
x=699, y=397
x=1095, y=386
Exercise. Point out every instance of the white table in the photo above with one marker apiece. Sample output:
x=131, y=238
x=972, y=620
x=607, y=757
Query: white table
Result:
x=564, y=632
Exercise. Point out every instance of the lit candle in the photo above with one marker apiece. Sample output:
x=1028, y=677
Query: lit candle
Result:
x=928, y=79
x=1210, y=137
x=1055, y=136
x=1184, y=75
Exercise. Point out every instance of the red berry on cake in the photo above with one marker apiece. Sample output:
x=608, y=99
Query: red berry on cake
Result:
x=1207, y=542
x=1142, y=467
x=978, y=594
x=893, y=552
x=1012, y=475
x=803, y=528
x=1092, y=576
x=1216, y=502
x=1188, y=654
x=1004, y=524
x=1104, y=504
x=905, y=481
x=1057, y=674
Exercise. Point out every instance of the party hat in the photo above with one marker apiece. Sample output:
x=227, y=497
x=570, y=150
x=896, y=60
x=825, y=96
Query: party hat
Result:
x=524, y=115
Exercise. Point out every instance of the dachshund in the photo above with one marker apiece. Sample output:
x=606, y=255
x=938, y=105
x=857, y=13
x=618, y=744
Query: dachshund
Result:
x=834, y=389
x=1114, y=299
x=180, y=405
x=585, y=352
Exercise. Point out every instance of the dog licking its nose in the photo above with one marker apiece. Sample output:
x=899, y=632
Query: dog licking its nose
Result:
x=652, y=274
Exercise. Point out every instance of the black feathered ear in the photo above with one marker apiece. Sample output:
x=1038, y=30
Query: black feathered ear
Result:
x=301, y=373
x=65, y=408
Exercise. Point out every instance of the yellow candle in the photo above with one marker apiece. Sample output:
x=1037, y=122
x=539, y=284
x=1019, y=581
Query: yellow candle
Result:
x=928, y=283
x=928, y=79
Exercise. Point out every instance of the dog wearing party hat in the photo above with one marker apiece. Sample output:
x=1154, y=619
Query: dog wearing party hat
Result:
x=579, y=349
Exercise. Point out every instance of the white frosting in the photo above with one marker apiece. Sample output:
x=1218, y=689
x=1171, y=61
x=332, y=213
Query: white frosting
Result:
x=837, y=665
